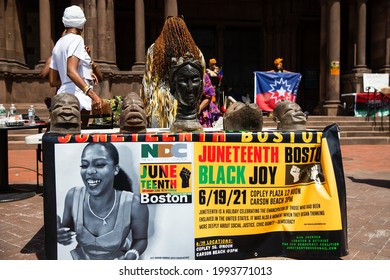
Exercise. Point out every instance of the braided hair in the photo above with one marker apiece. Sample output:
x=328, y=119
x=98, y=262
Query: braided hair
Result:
x=173, y=42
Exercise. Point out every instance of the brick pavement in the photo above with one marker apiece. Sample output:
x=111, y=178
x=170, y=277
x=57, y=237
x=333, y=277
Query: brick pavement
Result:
x=367, y=178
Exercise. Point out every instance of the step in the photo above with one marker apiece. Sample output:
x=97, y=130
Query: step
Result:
x=348, y=134
x=350, y=128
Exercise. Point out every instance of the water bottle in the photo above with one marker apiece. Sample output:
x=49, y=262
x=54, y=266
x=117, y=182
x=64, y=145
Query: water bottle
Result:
x=31, y=115
x=12, y=111
x=3, y=115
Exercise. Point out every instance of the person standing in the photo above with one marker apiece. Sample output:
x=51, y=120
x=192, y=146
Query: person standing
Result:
x=71, y=65
x=216, y=75
x=208, y=111
x=278, y=66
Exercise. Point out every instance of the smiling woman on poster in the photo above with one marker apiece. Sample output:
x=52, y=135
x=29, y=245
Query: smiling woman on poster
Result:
x=104, y=216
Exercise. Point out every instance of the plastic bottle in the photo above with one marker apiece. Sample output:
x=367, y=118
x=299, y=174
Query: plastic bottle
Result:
x=31, y=115
x=3, y=115
x=12, y=111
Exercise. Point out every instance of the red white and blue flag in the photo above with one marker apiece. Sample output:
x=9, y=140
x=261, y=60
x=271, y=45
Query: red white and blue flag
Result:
x=272, y=87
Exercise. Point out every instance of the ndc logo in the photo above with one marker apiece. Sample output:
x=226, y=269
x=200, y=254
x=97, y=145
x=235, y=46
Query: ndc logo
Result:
x=178, y=150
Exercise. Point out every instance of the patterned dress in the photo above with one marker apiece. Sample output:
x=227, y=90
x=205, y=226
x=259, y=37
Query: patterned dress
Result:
x=210, y=113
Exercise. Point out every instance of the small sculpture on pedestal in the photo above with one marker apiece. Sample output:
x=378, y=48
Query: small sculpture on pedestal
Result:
x=186, y=84
x=133, y=116
x=65, y=117
x=289, y=116
x=243, y=116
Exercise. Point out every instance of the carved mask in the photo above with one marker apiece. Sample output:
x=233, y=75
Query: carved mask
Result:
x=133, y=116
x=65, y=117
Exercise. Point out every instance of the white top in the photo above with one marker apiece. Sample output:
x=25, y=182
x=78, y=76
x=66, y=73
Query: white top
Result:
x=67, y=46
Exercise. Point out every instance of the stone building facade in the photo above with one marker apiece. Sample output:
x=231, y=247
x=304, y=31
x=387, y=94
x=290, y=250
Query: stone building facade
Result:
x=330, y=42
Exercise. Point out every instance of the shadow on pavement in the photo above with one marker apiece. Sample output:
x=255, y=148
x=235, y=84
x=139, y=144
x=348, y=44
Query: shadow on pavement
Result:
x=372, y=182
x=36, y=245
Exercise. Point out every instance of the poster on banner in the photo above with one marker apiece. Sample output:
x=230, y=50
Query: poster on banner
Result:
x=160, y=175
x=214, y=195
x=373, y=82
x=272, y=87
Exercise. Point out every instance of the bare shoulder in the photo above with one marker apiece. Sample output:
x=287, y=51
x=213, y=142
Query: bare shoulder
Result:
x=137, y=206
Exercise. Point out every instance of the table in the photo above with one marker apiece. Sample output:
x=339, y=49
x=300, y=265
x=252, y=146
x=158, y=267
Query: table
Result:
x=6, y=192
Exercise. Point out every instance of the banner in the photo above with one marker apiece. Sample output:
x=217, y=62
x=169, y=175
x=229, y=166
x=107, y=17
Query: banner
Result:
x=217, y=195
x=272, y=87
x=370, y=104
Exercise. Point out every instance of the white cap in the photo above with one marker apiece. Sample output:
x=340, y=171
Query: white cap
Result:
x=74, y=17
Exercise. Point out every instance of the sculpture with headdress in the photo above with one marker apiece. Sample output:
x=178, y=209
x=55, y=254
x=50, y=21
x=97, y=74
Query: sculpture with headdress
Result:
x=186, y=85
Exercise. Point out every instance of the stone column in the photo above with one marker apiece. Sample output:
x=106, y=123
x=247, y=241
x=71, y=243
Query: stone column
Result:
x=361, y=37
x=2, y=30
x=46, y=42
x=14, y=46
x=323, y=54
x=9, y=29
x=332, y=105
x=139, y=64
x=111, y=55
x=170, y=8
x=101, y=31
x=386, y=66
x=90, y=28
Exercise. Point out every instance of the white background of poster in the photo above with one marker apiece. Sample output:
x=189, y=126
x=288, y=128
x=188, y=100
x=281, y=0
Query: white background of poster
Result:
x=376, y=81
x=171, y=226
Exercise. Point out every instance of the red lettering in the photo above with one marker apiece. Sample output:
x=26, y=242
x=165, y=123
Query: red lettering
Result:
x=81, y=138
x=173, y=184
x=151, y=137
x=168, y=170
x=117, y=138
x=185, y=137
x=64, y=139
x=275, y=154
x=134, y=137
x=168, y=137
x=100, y=138
x=219, y=137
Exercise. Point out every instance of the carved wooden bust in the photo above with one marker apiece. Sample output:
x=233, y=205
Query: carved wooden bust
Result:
x=186, y=84
x=289, y=116
x=243, y=116
x=133, y=115
x=65, y=117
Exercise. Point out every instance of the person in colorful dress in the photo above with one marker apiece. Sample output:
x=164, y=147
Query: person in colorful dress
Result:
x=215, y=73
x=208, y=112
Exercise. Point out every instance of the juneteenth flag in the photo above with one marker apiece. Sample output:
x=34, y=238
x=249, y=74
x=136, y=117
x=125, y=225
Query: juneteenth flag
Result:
x=272, y=87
